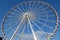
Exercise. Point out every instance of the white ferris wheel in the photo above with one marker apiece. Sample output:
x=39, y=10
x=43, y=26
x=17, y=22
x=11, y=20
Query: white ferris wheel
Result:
x=30, y=20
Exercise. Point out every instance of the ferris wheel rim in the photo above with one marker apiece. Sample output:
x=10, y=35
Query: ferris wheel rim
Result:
x=26, y=2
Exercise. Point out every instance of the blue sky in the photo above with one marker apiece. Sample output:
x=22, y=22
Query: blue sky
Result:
x=6, y=5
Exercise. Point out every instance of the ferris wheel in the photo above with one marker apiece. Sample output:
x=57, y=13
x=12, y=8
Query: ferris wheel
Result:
x=30, y=20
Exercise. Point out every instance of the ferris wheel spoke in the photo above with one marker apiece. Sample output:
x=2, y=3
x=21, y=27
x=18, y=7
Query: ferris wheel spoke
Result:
x=12, y=17
x=29, y=6
x=53, y=21
x=43, y=9
x=16, y=21
x=9, y=34
x=43, y=15
x=16, y=11
x=22, y=32
x=32, y=6
x=7, y=29
x=42, y=19
x=25, y=7
x=39, y=19
x=37, y=5
x=37, y=26
x=41, y=6
x=46, y=12
x=20, y=9
x=44, y=25
x=10, y=20
x=38, y=8
x=9, y=17
x=10, y=27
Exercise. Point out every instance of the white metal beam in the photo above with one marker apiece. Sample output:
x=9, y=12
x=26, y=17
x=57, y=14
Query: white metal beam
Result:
x=17, y=28
x=35, y=38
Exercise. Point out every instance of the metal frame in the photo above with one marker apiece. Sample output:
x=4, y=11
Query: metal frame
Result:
x=44, y=3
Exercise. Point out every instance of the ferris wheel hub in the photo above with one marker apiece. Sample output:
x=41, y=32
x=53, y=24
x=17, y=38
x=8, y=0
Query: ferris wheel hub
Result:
x=26, y=13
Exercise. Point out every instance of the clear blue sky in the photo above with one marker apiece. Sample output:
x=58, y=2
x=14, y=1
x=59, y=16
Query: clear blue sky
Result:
x=6, y=5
